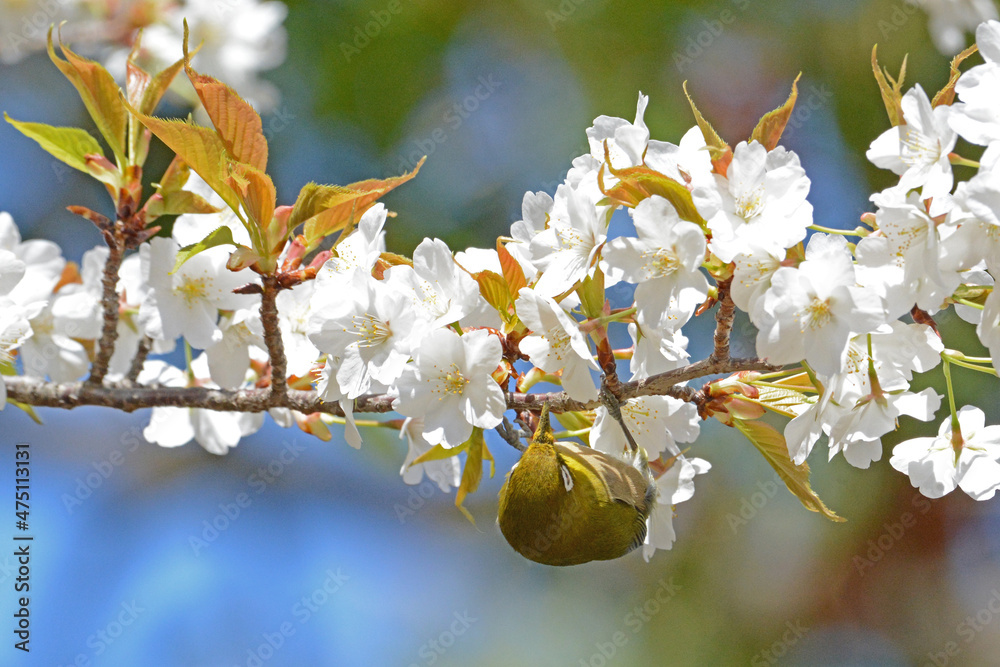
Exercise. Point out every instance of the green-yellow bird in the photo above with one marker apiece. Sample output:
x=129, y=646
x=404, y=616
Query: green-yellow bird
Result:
x=566, y=504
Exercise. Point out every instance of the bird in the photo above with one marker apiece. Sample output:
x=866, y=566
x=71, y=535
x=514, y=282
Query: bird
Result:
x=565, y=503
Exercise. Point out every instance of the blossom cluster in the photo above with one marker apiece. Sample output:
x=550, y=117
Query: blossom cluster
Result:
x=445, y=334
x=238, y=38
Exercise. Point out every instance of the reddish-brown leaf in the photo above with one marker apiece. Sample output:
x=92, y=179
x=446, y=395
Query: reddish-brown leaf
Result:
x=772, y=124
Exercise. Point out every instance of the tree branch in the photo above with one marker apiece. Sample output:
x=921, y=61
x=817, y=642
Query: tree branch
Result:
x=145, y=343
x=127, y=397
x=723, y=321
x=272, y=338
x=109, y=302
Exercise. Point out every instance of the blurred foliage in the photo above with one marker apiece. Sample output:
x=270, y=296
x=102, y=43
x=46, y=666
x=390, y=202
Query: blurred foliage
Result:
x=743, y=577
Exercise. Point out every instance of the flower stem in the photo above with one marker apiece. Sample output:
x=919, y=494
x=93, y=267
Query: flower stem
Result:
x=956, y=428
x=970, y=304
x=960, y=161
x=857, y=231
x=187, y=363
x=622, y=315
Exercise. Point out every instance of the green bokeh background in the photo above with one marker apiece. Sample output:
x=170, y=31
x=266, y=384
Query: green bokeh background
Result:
x=891, y=586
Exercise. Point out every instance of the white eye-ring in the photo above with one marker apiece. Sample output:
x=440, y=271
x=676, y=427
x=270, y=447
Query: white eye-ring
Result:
x=567, y=477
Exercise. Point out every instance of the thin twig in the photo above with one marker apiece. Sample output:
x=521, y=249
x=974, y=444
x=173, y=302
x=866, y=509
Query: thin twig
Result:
x=511, y=434
x=723, y=321
x=272, y=338
x=139, y=359
x=109, y=303
x=614, y=407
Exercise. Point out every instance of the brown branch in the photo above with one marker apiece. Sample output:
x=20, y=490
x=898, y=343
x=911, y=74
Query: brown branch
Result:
x=37, y=392
x=109, y=303
x=145, y=343
x=272, y=338
x=68, y=395
x=723, y=321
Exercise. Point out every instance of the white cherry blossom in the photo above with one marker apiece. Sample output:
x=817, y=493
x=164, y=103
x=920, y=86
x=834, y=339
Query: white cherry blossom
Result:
x=918, y=149
x=446, y=473
x=937, y=465
x=949, y=20
x=371, y=325
x=439, y=287
x=664, y=260
x=811, y=311
x=760, y=201
x=675, y=486
x=657, y=423
x=977, y=116
x=187, y=303
x=566, y=251
x=556, y=344
x=626, y=141
x=450, y=386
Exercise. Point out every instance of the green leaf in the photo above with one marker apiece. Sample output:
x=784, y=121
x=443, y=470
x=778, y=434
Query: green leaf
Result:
x=100, y=94
x=178, y=202
x=778, y=400
x=221, y=236
x=324, y=209
x=772, y=124
x=493, y=288
x=28, y=410
x=771, y=444
x=592, y=295
x=200, y=148
x=67, y=144
x=439, y=453
x=472, y=474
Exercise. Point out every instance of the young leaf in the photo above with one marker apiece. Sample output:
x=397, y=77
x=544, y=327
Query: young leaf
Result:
x=947, y=94
x=200, y=148
x=144, y=92
x=177, y=202
x=638, y=183
x=157, y=87
x=256, y=192
x=439, y=453
x=475, y=452
x=891, y=89
x=493, y=288
x=99, y=92
x=720, y=151
x=512, y=271
x=772, y=124
x=592, y=295
x=236, y=122
x=67, y=144
x=324, y=209
x=220, y=236
x=780, y=400
x=771, y=444
x=175, y=177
